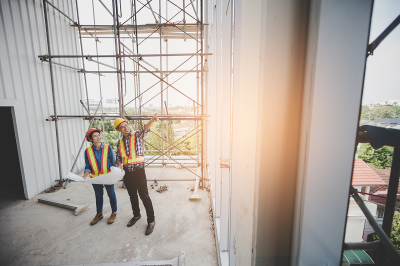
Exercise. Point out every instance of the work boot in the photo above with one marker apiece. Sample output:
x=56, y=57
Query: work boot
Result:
x=112, y=218
x=97, y=218
x=150, y=228
x=133, y=221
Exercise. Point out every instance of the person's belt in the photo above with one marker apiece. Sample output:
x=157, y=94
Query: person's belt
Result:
x=131, y=169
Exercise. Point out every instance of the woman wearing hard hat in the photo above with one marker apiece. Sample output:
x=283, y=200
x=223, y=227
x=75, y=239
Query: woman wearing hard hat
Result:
x=99, y=158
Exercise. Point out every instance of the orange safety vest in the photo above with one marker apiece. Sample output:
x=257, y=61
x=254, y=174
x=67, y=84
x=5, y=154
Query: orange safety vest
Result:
x=93, y=163
x=131, y=159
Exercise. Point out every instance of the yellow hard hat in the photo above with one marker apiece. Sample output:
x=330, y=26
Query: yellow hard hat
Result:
x=118, y=121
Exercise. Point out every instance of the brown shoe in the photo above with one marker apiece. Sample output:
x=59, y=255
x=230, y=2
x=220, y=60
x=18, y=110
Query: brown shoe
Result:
x=97, y=218
x=112, y=218
x=150, y=228
x=133, y=220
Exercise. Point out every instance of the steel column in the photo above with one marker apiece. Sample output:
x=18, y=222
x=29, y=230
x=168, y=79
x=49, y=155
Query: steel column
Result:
x=390, y=203
x=52, y=89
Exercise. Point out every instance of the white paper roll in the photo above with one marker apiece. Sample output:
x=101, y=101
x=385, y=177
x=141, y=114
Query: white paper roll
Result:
x=108, y=179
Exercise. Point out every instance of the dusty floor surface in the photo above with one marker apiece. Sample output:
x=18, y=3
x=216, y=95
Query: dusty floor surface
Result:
x=32, y=233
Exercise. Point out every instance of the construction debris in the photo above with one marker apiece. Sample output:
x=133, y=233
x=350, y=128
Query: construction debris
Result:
x=52, y=189
x=154, y=184
x=162, y=189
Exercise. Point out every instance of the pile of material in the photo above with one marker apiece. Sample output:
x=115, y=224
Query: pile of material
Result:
x=162, y=189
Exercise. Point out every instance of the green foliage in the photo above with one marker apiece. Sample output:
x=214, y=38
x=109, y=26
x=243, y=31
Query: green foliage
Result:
x=380, y=158
x=154, y=141
x=112, y=138
x=378, y=111
x=108, y=125
x=394, y=235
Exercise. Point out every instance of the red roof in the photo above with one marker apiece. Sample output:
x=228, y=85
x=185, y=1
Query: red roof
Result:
x=384, y=174
x=363, y=175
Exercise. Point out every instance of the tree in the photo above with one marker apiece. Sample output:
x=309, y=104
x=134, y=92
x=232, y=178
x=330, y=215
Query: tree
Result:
x=154, y=141
x=108, y=125
x=379, y=158
x=112, y=139
x=377, y=111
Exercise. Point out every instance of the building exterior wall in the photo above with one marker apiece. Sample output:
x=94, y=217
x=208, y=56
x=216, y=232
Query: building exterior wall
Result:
x=25, y=85
x=292, y=63
x=356, y=221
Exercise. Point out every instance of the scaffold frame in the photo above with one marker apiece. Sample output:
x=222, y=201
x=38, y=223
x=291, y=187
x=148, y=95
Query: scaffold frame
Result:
x=120, y=31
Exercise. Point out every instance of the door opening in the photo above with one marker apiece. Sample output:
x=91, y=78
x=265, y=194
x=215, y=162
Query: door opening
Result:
x=12, y=187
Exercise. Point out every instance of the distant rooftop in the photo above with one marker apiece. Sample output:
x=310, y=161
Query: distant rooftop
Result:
x=363, y=175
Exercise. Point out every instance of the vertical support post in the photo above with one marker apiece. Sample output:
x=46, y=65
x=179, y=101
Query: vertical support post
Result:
x=225, y=122
x=116, y=33
x=184, y=21
x=390, y=203
x=202, y=96
x=161, y=83
x=166, y=67
x=196, y=109
x=218, y=87
x=52, y=89
x=83, y=59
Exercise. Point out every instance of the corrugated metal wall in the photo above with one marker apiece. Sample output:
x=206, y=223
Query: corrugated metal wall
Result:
x=25, y=78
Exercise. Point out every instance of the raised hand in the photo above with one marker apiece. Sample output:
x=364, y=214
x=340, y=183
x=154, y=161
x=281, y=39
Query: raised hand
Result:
x=154, y=118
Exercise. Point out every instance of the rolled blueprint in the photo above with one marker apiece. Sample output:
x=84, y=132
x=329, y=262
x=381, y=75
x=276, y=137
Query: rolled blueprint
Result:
x=108, y=179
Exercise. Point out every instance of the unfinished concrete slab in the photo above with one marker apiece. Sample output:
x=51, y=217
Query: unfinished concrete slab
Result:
x=33, y=233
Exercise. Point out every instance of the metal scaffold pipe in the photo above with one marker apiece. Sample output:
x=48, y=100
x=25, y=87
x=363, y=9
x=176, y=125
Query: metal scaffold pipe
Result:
x=384, y=239
x=52, y=88
x=167, y=29
x=136, y=55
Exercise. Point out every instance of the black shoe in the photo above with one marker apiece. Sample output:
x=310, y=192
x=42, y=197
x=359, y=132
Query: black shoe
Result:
x=150, y=228
x=133, y=220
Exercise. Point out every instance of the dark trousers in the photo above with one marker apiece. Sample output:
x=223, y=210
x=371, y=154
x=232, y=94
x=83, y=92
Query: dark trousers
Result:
x=99, y=191
x=135, y=183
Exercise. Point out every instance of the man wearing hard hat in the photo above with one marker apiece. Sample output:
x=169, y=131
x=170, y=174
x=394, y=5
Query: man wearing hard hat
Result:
x=130, y=157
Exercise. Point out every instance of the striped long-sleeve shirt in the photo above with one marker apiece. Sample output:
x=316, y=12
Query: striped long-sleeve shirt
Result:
x=139, y=136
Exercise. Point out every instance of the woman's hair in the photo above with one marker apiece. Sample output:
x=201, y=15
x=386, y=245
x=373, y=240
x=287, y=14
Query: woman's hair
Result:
x=91, y=135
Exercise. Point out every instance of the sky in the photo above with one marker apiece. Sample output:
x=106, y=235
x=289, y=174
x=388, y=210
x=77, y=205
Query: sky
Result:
x=109, y=85
x=382, y=77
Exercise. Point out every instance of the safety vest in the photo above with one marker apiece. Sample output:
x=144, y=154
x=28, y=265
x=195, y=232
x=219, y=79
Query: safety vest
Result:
x=93, y=163
x=133, y=158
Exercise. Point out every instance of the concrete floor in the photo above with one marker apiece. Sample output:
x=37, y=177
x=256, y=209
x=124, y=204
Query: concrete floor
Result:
x=32, y=233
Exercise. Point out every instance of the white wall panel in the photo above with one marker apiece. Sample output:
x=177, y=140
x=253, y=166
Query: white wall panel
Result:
x=339, y=33
x=26, y=79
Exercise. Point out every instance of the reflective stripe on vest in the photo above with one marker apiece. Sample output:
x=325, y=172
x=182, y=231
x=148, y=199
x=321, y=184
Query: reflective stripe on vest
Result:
x=93, y=162
x=131, y=159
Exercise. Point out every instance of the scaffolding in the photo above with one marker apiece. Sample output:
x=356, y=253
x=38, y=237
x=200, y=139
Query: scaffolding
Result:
x=128, y=36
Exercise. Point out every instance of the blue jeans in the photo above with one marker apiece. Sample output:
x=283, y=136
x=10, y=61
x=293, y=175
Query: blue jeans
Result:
x=99, y=191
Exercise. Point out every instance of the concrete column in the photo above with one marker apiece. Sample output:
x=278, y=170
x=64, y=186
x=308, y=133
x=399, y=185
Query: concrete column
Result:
x=284, y=42
x=246, y=111
x=225, y=122
x=336, y=55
